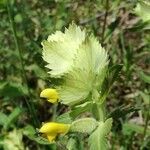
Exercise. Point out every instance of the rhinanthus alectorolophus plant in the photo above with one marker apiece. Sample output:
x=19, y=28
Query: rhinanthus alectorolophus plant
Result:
x=79, y=60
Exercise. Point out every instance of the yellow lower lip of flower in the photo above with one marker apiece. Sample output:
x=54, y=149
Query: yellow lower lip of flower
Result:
x=50, y=94
x=51, y=137
x=52, y=129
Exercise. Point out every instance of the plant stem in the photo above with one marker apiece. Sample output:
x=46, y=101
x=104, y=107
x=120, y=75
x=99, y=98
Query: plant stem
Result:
x=29, y=102
x=54, y=112
x=105, y=22
x=99, y=111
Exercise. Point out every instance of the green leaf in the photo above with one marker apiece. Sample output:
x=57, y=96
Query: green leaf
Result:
x=72, y=144
x=84, y=125
x=111, y=28
x=144, y=77
x=30, y=132
x=40, y=73
x=75, y=142
x=12, y=117
x=64, y=118
x=60, y=49
x=114, y=72
x=12, y=89
x=140, y=25
x=13, y=141
x=79, y=109
x=145, y=97
x=18, y=18
x=121, y=112
x=97, y=140
x=112, y=76
x=73, y=113
x=128, y=128
x=87, y=74
x=3, y=2
x=3, y=118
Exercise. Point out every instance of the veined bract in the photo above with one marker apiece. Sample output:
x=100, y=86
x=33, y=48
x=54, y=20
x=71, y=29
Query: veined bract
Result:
x=79, y=60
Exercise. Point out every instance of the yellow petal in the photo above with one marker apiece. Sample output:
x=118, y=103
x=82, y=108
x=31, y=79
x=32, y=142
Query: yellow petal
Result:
x=50, y=94
x=54, y=128
x=51, y=137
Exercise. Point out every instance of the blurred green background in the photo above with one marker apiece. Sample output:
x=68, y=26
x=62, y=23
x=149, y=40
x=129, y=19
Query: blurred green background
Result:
x=24, y=24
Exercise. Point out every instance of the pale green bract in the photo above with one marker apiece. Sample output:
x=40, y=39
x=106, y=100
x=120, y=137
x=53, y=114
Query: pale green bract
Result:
x=143, y=10
x=60, y=48
x=98, y=140
x=87, y=73
x=79, y=60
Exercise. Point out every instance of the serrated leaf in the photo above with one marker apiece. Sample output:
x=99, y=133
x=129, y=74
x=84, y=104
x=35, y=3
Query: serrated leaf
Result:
x=87, y=74
x=60, y=49
x=91, y=56
x=97, y=140
x=84, y=125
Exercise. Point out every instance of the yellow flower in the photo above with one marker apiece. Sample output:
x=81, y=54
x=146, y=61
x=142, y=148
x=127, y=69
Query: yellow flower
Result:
x=52, y=129
x=50, y=94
